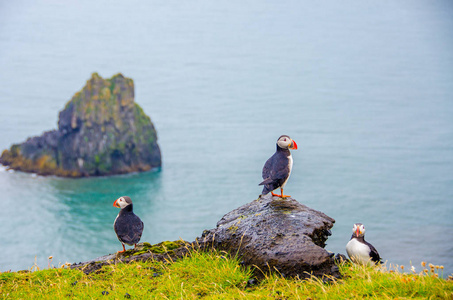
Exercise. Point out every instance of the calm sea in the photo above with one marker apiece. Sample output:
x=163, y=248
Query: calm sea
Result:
x=364, y=87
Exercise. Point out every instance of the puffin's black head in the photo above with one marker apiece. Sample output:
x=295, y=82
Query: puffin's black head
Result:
x=285, y=142
x=358, y=230
x=122, y=202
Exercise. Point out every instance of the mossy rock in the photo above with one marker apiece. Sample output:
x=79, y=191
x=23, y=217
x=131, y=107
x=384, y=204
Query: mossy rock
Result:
x=270, y=233
x=164, y=251
x=166, y=246
x=160, y=248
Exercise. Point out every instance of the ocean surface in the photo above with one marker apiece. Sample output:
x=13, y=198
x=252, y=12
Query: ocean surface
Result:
x=365, y=88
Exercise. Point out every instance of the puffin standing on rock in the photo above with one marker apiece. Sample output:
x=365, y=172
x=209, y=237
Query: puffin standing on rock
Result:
x=127, y=225
x=278, y=167
x=359, y=250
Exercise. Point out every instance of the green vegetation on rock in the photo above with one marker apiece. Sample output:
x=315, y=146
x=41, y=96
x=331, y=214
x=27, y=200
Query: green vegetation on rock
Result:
x=163, y=247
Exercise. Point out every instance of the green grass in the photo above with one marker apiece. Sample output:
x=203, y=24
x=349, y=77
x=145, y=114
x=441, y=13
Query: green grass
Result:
x=215, y=275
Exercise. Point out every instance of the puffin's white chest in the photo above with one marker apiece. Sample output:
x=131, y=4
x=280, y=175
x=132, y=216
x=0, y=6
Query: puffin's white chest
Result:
x=358, y=252
x=290, y=167
x=290, y=162
x=115, y=220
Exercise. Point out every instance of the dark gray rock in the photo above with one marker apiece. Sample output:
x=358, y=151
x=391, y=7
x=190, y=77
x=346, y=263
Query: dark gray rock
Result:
x=276, y=234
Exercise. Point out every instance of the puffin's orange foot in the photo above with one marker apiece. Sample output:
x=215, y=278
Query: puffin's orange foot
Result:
x=124, y=249
x=280, y=196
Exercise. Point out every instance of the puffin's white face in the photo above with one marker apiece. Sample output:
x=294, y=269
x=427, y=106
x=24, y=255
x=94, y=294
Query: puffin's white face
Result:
x=286, y=142
x=122, y=202
x=358, y=229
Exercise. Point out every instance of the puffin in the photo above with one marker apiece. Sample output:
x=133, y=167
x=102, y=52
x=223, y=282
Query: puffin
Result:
x=278, y=167
x=128, y=226
x=359, y=250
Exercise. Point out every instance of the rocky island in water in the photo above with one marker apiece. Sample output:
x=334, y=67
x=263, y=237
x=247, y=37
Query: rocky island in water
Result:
x=101, y=131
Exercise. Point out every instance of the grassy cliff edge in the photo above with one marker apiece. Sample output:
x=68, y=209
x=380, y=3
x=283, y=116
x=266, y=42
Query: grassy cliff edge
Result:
x=217, y=275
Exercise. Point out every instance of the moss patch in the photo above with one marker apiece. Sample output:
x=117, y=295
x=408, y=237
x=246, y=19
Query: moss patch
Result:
x=160, y=248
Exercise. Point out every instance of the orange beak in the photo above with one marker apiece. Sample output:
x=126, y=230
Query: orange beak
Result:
x=293, y=145
x=357, y=232
x=115, y=204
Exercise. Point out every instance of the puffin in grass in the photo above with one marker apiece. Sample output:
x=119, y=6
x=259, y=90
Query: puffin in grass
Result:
x=127, y=225
x=359, y=250
x=278, y=167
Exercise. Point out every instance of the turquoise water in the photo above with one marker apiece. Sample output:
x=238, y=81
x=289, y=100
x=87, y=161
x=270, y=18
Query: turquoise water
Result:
x=365, y=89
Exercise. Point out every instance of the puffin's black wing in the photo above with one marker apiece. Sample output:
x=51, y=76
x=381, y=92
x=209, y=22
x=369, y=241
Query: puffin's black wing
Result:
x=267, y=169
x=373, y=253
x=129, y=228
x=275, y=172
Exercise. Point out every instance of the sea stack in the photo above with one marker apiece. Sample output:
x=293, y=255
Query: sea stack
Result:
x=101, y=131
